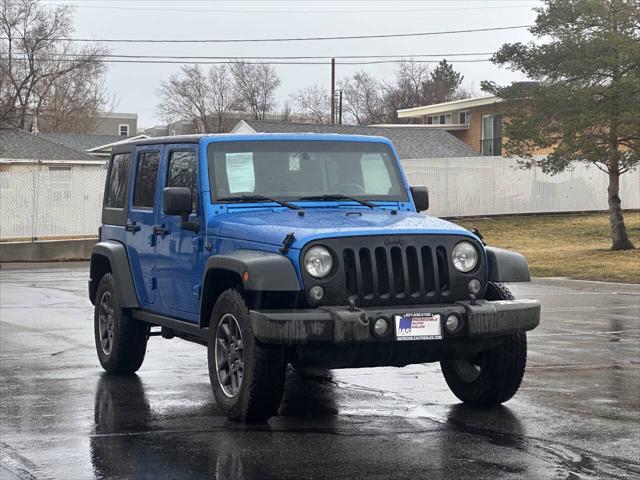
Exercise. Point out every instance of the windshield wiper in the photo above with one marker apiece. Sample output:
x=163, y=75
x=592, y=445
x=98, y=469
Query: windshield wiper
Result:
x=337, y=196
x=258, y=198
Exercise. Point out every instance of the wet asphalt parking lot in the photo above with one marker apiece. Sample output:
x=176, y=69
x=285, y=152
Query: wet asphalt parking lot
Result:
x=577, y=415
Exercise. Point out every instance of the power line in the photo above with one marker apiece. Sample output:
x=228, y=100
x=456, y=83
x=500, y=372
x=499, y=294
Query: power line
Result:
x=283, y=57
x=253, y=1
x=291, y=39
x=282, y=1
x=298, y=12
x=230, y=61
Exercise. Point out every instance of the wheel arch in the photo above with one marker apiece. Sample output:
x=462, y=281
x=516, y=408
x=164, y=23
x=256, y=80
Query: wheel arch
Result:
x=111, y=257
x=248, y=270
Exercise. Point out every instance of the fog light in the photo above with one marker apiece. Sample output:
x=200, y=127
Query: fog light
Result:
x=381, y=327
x=475, y=286
x=452, y=323
x=316, y=293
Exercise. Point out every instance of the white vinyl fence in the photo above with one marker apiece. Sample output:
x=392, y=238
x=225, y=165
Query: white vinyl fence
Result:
x=473, y=186
x=58, y=204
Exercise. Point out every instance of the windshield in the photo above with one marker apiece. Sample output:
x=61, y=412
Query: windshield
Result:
x=293, y=170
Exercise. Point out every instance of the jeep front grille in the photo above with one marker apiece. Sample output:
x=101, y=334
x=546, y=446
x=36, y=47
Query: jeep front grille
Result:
x=394, y=270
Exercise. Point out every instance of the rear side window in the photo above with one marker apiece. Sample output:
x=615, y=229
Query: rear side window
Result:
x=118, y=180
x=146, y=176
x=183, y=172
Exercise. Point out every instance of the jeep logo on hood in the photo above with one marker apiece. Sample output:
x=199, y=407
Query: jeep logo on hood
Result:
x=391, y=242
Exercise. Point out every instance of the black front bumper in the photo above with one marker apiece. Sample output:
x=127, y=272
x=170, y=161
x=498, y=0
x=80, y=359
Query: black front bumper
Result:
x=342, y=325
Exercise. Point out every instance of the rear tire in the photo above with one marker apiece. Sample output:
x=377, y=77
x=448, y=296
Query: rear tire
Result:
x=493, y=376
x=121, y=341
x=247, y=377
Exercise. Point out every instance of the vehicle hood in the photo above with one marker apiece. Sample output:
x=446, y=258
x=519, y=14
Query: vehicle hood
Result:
x=271, y=226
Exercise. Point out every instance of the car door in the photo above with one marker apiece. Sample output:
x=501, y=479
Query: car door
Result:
x=141, y=220
x=179, y=251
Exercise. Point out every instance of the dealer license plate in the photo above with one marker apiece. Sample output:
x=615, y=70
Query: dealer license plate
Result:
x=418, y=326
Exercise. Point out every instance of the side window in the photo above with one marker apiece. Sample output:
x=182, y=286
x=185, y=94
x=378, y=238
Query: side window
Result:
x=118, y=180
x=146, y=176
x=183, y=172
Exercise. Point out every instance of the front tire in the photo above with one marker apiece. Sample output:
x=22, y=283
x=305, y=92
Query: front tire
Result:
x=121, y=341
x=247, y=377
x=493, y=376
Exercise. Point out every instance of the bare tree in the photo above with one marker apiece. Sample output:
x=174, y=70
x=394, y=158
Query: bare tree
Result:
x=185, y=96
x=35, y=59
x=221, y=99
x=255, y=85
x=285, y=114
x=72, y=102
x=415, y=84
x=203, y=98
x=362, y=98
x=313, y=103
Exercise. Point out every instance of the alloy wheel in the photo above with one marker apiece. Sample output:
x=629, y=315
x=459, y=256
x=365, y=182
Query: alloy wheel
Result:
x=229, y=353
x=106, y=323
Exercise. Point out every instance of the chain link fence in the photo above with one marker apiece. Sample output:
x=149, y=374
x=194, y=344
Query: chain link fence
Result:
x=62, y=204
x=51, y=204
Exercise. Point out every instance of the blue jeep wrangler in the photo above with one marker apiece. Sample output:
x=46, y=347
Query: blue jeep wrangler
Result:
x=297, y=249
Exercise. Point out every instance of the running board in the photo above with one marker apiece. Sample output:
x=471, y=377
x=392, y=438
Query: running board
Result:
x=178, y=326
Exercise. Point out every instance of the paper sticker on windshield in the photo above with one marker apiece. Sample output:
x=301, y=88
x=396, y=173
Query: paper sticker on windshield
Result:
x=240, y=173
x=375, y=174
x=294, y=162
x=418, y=326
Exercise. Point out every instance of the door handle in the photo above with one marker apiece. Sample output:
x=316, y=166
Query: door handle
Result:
x=132, y=227
x=160, y=230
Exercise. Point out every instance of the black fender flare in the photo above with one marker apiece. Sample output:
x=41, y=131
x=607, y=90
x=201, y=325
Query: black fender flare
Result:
x=506, y=266
x=265, y=270
x=116, y=255
x=256, y=271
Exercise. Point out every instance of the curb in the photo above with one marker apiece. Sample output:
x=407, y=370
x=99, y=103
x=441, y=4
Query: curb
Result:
x=588, y=285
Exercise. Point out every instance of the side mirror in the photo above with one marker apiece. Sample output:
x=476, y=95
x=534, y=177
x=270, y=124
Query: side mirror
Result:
x=420, y=198
x=176, y=201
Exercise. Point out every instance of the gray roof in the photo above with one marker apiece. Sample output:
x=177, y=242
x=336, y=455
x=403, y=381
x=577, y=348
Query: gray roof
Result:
x=81, y=141
x=411, y=142
x=16, y=144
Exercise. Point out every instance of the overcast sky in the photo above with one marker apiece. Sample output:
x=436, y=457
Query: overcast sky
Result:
x=134, y=86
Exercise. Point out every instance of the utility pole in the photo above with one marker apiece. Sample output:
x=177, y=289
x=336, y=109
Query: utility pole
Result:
x=333, y=91
x=340, y=109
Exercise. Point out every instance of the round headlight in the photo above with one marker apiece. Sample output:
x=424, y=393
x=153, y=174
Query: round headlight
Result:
x=465, y=257
x=318, y=262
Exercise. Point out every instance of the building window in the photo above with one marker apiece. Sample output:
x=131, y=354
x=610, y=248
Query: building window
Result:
x=59, y=183
x=491, y=143
x=443, y=119
x=123, y=130
x=464, y=117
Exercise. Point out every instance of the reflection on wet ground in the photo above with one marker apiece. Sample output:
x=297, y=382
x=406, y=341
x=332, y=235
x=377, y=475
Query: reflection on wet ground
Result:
x=577, y=415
